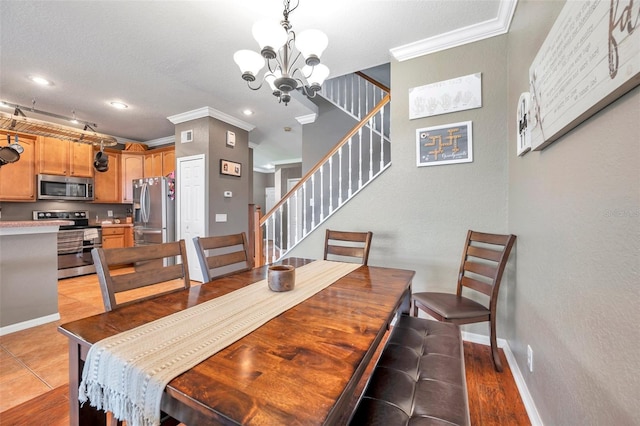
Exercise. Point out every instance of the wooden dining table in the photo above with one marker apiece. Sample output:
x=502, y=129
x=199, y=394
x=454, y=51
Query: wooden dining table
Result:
x=302, y=367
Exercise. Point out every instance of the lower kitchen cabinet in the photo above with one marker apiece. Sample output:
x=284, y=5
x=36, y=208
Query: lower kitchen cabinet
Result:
x=114, y=236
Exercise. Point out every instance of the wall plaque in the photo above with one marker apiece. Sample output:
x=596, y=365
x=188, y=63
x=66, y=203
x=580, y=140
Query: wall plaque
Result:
x=443, y=97
x=590, y=58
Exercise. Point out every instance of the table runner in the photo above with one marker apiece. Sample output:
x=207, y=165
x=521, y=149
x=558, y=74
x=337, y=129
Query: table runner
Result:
x=127, y=373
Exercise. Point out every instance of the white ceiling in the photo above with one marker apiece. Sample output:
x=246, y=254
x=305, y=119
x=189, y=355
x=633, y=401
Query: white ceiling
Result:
x=164, y=58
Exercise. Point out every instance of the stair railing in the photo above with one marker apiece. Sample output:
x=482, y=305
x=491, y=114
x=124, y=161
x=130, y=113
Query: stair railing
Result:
x=355, y=161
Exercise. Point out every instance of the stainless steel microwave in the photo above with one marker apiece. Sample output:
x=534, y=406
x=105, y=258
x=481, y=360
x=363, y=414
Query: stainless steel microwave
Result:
x=52, y=187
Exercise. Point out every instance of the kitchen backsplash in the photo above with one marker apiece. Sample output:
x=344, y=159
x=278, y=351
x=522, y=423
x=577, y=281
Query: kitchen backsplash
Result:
x=24, y=211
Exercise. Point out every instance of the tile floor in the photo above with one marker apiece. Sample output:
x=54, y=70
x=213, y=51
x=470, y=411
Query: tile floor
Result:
x=35, y=361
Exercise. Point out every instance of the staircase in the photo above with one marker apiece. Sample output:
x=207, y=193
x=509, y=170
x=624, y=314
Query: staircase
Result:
x=355, y=161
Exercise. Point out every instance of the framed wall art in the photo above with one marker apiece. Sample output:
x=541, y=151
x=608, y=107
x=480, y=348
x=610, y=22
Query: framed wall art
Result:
x=443, y=97
x=523, y=125
x=230, y=168
x=445, y=144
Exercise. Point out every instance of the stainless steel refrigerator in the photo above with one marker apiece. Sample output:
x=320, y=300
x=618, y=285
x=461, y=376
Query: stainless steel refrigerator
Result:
x=153, y=212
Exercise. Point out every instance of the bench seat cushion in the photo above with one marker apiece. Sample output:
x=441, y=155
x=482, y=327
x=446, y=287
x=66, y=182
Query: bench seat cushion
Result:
x=419, y=378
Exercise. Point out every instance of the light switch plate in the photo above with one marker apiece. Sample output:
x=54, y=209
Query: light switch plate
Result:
x=221, y=217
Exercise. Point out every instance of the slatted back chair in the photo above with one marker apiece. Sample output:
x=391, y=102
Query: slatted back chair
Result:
x=154, y=267
x=483, y=262
x=223, y=255
x=347, y=244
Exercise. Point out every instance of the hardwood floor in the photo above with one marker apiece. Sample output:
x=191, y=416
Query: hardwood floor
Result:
x=34, y=369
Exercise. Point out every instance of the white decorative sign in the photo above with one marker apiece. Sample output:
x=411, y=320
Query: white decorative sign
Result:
x=443, y=97
x=590, y=58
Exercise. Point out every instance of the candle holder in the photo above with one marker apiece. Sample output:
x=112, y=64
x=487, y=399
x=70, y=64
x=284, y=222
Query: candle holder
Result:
x=281, y=277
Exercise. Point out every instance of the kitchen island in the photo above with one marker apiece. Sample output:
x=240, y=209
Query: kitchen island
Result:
x=28, y=274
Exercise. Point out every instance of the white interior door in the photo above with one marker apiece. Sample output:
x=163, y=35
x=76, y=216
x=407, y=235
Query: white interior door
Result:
x=191, y=199
x=269, y=198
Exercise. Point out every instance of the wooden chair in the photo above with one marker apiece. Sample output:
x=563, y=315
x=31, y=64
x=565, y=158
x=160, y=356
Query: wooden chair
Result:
x=222, y=255
x=347, y=244
x=483, y=261
x=152, y=264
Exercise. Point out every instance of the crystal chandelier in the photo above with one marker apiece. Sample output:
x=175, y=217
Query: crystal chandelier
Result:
x=281, y=49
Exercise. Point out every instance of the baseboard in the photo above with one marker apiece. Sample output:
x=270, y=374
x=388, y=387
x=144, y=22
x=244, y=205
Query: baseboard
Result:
x=529, y=404
x=28, y=324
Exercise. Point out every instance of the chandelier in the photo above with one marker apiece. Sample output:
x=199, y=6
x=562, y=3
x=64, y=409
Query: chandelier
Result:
x=281, y=49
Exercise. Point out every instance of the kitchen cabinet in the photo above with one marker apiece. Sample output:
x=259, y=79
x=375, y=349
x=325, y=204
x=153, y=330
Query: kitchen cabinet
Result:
x=65, y=158
x=132, y=167
x=114, y=236
x=18, y=180
x=107, y=187
x=159, y=162
x=168, y=161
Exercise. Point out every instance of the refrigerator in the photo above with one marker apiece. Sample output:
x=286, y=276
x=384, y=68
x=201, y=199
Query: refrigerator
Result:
x=153, y=212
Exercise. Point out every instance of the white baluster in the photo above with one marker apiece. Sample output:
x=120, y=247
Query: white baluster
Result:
x=350, y=168
x=331, y=184
x=360, y=158
x=340, y=176
x=370, y=154
x=313, y=199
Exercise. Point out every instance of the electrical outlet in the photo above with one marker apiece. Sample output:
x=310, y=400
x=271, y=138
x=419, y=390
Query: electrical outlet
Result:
x=530, y=358
x=109, y=213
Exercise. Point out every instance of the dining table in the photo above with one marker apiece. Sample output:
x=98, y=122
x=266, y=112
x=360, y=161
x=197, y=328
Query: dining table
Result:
x=302, y=367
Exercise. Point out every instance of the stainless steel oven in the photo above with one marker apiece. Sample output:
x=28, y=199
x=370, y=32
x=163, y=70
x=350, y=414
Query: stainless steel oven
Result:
x=74, y=241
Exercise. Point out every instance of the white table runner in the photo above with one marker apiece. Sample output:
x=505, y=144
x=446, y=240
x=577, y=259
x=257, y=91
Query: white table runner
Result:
x=127, y=373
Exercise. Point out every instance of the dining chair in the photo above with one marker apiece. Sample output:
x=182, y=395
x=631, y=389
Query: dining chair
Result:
x=222, y=255
x=155, y=272
x=483, y=262
x=341, y=244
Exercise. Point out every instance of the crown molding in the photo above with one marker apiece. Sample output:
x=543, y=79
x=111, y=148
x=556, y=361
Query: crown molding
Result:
x=161, y=141
x=483, y=30
x=210, y=112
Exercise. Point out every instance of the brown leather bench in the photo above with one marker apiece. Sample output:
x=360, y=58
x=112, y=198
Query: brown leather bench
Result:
x=419, y=378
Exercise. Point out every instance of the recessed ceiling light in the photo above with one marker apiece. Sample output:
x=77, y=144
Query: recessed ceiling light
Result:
x=40, y=80
x=247, y=112
x=119, y=105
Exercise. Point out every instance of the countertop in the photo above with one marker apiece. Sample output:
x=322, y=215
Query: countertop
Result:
x=15, y=227
x=116, y=225
x=32, y=223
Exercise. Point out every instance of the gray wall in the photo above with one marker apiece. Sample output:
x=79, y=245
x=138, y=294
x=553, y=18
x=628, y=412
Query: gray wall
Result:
x=576, y=210
x=571, y=289
x=209, y=138
x=321, y=136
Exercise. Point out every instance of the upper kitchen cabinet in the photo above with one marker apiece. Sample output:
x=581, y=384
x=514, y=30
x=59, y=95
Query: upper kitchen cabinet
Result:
x=65, y=158
x=18, y=180
x=132, y=165
x=107, y=186
x=159, y=162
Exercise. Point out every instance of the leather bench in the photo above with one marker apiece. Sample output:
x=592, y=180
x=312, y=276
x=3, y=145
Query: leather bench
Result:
x=419, y=378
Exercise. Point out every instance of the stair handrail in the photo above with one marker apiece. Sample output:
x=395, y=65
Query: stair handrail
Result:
x=372, y=81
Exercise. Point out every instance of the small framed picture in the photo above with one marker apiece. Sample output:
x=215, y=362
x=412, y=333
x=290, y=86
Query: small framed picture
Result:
x=445, y=144
x=230, y=168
